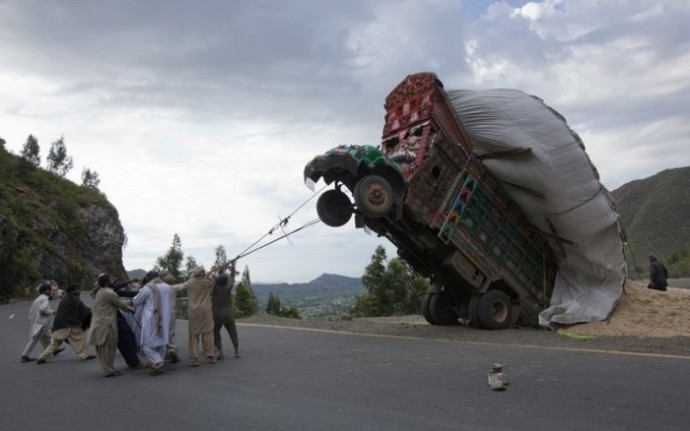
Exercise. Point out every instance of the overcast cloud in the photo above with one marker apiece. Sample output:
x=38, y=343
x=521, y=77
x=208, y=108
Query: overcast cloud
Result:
x=199, y=116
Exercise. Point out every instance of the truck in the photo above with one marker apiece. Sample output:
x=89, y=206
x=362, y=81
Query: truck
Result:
x=425, y=190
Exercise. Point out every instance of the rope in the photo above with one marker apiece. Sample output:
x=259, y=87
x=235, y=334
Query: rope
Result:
x=280, y=225
x=304, y=226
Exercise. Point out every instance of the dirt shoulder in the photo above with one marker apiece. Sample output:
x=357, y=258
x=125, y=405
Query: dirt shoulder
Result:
x=645, y=321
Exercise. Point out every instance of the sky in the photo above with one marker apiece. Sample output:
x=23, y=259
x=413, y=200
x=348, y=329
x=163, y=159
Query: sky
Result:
x=199, y=116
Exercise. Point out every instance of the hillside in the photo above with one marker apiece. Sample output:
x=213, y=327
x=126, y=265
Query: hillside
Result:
x=51, y=228
x=655, y=212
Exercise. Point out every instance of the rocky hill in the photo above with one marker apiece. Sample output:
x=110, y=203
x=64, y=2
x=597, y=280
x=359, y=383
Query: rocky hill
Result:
x=655, y=212
x=51, y=228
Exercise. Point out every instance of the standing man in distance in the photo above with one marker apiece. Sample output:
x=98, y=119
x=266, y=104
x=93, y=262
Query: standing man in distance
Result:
x=657, y=274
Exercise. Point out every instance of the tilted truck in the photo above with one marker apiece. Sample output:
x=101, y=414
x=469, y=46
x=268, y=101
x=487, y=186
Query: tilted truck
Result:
x=425, y=191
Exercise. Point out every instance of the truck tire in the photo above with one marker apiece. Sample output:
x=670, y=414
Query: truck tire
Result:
x=441, y=307
x=474, y=311
x=334, y=208
x=495, y=310
x=426, y=307
x=373, y=196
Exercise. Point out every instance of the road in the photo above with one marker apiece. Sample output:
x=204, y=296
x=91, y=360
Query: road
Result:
x=297, y=379
x=679, y=282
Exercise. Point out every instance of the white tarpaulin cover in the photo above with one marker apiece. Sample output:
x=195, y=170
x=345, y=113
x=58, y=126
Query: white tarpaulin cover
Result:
x=558, y=188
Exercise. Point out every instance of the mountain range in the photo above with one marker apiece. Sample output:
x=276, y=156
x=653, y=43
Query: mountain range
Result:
x=655, y=213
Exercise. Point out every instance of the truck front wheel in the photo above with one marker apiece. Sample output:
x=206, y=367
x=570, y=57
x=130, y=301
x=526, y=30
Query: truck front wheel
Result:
x=334, y=208
x=373, y=196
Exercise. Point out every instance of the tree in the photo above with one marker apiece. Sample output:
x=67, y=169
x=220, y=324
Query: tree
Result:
x=2, y=144
x=30, y=151
x=189, y=267
x=172, y=260
x=290, y=312
x=221, y=257
x=245, y=302
x=392, y=289
x=90, y=178
x=375, y=273
x=273, y=305
x=59, y=163
x=275, y=308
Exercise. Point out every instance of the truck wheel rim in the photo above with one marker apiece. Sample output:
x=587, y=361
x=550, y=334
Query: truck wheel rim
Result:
x=376, y=196
x=499, y=311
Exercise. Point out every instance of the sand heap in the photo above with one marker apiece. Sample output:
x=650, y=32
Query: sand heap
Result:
x=643, y=312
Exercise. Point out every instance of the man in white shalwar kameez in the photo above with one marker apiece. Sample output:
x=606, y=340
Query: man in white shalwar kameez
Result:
x=153, y=310
x=40, y=318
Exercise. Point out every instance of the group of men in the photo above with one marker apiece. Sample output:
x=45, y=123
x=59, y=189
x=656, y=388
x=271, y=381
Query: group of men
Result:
x=66, y=325
x=147, y=325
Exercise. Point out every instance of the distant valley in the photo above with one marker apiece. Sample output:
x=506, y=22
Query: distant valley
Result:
x=327, y=296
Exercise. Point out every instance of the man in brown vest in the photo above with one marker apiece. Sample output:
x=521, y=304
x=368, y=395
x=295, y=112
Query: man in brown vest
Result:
x=103, y=333
x=200, y=317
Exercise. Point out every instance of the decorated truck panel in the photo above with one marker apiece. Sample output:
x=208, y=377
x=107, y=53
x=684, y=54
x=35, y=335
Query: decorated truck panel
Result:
x=450, y=219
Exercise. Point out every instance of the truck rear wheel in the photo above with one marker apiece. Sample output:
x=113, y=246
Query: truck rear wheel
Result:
x=494, y=310
x=373, y=196
x=426, y=307
x=334, y=208
x=441, y=308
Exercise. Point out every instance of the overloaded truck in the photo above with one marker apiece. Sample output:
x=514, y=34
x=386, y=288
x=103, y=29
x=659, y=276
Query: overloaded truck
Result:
x=425, y=190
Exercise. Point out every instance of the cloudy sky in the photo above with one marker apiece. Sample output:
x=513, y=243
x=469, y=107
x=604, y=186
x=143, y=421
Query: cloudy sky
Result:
x=199, y=116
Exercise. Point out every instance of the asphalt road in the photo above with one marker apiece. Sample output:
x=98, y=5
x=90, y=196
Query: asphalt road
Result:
x=679, y=282
x=297, y=379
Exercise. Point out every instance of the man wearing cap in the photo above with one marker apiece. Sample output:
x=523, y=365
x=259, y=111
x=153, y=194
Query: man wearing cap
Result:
x=221, y=300
x=40, y=316
x=657, y=274
x=67, y=326
x=103, y=332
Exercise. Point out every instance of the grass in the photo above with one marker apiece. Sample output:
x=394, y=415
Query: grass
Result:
x=573, y=336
